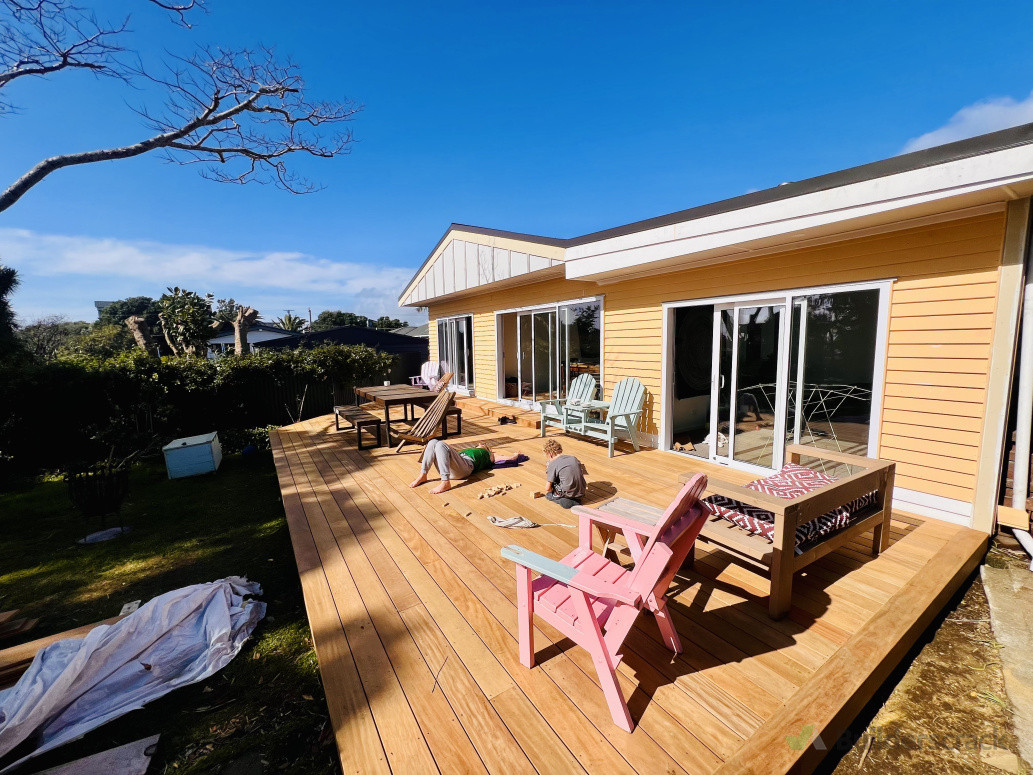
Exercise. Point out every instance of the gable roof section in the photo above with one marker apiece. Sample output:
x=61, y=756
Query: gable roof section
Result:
x=468, y=257
x=990, y=168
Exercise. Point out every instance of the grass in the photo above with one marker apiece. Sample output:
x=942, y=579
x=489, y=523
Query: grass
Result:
x=268, y=703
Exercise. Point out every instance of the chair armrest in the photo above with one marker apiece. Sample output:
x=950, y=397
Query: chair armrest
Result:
x=556, y=401
x=612, y=520
x=624, y=414
x=567, y=575
x=538, y=563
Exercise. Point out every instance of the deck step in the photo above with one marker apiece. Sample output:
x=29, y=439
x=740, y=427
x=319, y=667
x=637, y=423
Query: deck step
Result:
x=524, y=417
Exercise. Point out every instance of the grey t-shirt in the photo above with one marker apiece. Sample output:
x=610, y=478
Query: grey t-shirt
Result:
x=564, y=473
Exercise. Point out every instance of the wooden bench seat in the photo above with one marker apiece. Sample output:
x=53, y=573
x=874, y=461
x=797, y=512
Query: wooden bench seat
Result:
x=359, y=419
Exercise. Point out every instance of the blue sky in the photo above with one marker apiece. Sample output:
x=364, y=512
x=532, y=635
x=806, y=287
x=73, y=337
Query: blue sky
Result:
x=550, y=118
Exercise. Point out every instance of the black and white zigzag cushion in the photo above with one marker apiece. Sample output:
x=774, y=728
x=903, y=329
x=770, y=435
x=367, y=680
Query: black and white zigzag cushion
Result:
x=791, y=482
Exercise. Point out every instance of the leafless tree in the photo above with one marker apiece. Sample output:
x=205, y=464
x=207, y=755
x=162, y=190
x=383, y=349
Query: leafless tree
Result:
x=240, y=115
x=241, y=317
x=141, y=331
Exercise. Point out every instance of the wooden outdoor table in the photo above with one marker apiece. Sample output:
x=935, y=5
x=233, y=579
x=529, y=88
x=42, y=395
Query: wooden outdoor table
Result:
x=585, y=408
x=393, y=395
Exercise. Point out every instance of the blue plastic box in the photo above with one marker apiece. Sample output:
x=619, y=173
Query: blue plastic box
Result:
x=193, y=455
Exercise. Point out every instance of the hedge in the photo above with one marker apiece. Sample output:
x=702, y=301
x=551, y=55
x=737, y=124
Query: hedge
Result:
x=78, y=410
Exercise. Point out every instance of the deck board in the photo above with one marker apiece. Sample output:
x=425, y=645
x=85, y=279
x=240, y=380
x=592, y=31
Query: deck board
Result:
x=413, y=613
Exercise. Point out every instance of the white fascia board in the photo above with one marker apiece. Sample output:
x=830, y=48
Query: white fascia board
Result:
x=914, y=188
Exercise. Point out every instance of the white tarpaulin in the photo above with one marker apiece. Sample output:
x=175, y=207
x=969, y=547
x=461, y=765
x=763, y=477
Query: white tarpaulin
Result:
x=77, y=684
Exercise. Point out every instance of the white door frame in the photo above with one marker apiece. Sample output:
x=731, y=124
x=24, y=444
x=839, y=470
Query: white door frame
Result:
x=467, y=389
x=555, y=306
x=782, y=369
x=787, y=296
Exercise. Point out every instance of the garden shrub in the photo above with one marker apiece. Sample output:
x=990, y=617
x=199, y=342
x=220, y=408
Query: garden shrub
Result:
x=78, y=409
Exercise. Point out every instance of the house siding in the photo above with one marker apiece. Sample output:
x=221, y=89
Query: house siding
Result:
x=941, y=320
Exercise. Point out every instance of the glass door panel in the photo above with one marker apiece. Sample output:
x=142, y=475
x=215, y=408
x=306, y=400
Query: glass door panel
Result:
x=753, y=416
x=722, y=403
x=455, y=349
x=833, y=370
x=462, y=352
x=526, y=361
x=579, y=340
x=692, y=396
x=544, y=327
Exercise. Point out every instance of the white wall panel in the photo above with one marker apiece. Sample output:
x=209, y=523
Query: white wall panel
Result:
x=485, y=264
x=472, y=272
x=517, y=263
x=448, y=266
x=538, y=262
x=501, y=264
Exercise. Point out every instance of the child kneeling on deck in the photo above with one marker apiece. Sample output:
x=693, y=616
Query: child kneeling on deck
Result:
x=461, y=464
x=566, y=482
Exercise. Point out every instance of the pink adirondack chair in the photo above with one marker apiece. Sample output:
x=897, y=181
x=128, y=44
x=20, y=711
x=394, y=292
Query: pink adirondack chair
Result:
x=595, y=602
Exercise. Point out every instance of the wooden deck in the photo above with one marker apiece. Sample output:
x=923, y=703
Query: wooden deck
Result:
x=413, y=613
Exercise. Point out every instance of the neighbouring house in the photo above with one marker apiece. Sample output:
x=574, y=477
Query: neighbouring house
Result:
x=257, y=335
x=411, y=351
x=873, y=310
x=422, y=330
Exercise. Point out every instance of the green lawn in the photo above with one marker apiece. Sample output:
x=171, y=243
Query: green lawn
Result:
x=269, y=700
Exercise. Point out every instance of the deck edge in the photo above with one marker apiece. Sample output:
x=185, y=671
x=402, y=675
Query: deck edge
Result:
x=860, y=667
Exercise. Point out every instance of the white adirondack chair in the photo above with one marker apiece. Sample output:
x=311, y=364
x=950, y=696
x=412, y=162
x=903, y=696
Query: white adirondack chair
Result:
x=622, y=416
x=554, y=413
x=428, y=377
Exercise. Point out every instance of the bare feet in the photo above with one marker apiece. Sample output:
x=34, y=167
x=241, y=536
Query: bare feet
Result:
x=417, y=482
x=445, y=486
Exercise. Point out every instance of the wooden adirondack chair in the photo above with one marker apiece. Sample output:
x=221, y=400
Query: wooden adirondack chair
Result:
x=622, y=417
x=595, y=602
x=554, y=412
x=435, y=416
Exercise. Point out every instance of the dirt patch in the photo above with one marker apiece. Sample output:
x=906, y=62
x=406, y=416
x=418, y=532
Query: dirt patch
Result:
x=949, y=713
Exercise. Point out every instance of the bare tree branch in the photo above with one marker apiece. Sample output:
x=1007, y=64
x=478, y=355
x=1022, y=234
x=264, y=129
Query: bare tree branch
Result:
x=41, y=37
x=241, y=115
x=181, y=9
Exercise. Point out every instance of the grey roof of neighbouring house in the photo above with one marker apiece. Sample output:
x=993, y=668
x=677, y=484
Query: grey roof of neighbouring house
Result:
x=423, y=330
x=380, y=338
x=228, y=328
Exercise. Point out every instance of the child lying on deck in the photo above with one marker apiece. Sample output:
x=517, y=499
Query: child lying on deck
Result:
x=460, y=464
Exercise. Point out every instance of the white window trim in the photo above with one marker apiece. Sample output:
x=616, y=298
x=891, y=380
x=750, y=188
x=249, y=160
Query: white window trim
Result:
x=500, y=372
x=878, y=375
x=463, y=390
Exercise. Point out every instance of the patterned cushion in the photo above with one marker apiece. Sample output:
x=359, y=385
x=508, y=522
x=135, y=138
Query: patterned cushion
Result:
x=791, y=482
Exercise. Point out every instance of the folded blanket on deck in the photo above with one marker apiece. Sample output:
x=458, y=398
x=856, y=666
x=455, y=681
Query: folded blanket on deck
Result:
x=520, y=458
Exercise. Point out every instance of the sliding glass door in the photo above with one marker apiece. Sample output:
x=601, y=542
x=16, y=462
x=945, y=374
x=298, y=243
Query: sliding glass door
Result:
x=750, y=366
x=749, y=377
x=455, y=349
x=538, y=372
x=541, y=350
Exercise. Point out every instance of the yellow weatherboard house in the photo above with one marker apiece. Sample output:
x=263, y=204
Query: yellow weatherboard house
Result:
x=872, y=311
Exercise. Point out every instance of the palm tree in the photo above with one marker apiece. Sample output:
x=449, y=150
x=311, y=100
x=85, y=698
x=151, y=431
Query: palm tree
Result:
x=8, y=282
x=291, y=322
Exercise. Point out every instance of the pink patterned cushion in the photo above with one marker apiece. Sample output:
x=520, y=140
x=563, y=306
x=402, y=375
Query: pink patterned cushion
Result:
x=791, y=482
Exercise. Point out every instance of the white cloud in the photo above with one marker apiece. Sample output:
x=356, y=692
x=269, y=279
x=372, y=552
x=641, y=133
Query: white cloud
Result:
x=981, y=117
x=59, y=273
